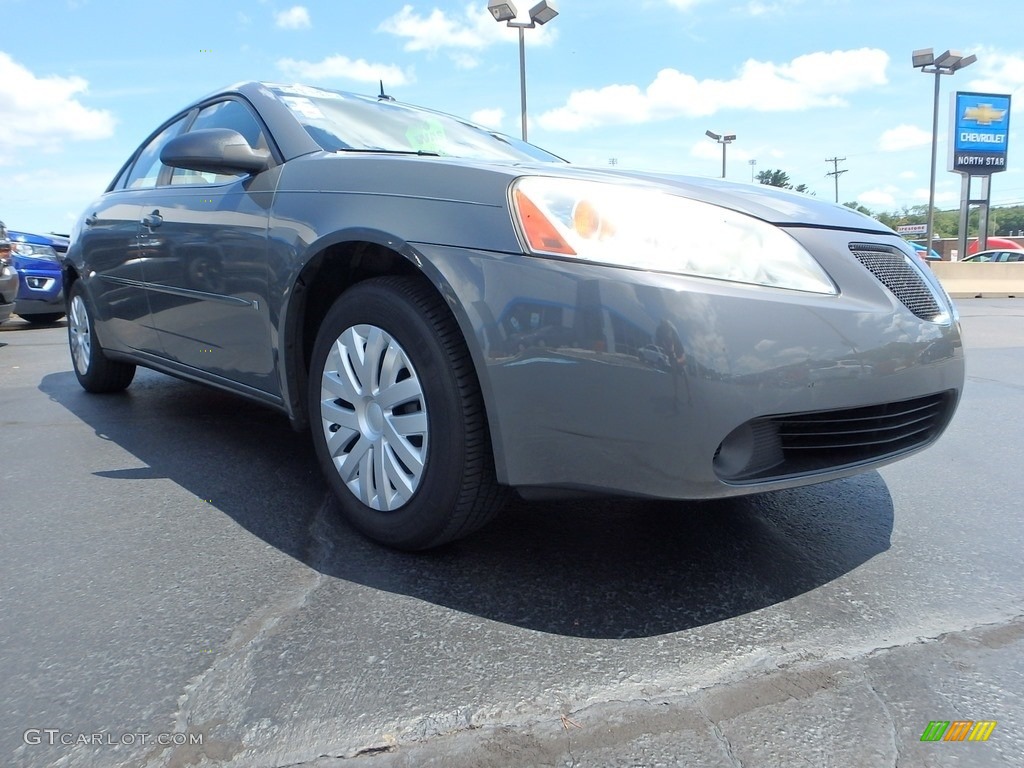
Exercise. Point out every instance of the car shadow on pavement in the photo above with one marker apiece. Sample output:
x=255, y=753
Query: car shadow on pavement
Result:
x=608, y=568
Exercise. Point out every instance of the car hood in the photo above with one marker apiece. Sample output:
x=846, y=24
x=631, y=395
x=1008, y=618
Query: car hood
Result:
x=450, y=178
x=57, y=242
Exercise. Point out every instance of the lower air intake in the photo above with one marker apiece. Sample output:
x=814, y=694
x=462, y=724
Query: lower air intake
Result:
x=823, y=441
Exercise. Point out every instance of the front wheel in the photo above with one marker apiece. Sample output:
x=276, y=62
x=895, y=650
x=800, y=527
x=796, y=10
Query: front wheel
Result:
x=397, y=417
x=95, y=371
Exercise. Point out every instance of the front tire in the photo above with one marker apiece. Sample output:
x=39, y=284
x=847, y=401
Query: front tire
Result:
x=95, y=371
x=397, y=417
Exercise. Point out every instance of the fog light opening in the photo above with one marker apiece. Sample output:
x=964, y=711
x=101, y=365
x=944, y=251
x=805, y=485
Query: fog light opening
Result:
x=734, y=454
x=750, y=449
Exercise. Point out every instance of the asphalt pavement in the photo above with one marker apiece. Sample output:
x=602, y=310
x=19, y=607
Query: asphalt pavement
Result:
x=176, y=589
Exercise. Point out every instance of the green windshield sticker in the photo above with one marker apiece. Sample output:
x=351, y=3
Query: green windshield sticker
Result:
x=428, y=136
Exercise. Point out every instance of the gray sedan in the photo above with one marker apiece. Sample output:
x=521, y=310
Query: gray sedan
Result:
x=453, y=313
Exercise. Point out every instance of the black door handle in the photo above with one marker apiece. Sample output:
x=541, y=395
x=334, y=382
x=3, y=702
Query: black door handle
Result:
x=90, y=219
x=153, y=220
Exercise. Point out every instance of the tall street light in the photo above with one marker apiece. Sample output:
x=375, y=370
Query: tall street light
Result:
x=541, y=13
x=725, y=140
x=946, y=63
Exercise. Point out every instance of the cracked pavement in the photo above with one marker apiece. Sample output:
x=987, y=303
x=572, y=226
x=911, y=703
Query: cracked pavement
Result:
x=172, y=563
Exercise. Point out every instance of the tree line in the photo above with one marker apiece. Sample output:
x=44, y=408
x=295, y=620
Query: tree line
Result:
x=1001, y=221
x=1005, y=221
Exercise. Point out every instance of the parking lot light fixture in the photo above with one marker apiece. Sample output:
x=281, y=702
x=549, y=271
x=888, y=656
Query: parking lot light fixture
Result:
x=947, y=63
x=541, y=13
x=501, y=11
x=723, y=139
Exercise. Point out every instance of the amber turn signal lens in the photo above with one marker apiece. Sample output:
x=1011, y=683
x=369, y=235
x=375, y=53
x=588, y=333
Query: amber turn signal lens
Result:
x=541, y=234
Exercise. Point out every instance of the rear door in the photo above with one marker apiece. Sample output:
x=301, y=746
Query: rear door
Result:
x=114, y=256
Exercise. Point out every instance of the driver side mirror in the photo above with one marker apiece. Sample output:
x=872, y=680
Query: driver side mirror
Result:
x=214, y=150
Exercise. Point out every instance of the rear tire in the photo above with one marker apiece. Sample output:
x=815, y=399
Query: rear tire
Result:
x=397, y=417
x=95, y=371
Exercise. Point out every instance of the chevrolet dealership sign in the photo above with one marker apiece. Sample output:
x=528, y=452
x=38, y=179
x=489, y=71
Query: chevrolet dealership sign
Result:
x=980, y=133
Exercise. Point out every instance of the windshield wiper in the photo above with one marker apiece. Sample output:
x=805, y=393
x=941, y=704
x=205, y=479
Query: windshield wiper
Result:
x=375, y=151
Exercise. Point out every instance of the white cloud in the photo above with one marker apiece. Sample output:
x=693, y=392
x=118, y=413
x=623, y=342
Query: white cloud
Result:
x=344, y=68
x=998, y=73
x=42, y=112
x=684, y=5
x=706, y=150
x=465, y=61
x=757, y=8
x=909, y=175
x=877, y=198
x=475, y=29
x=765, y=7
x=814, y=80
x=296, y=17
x=489, y=118
x=904, y=137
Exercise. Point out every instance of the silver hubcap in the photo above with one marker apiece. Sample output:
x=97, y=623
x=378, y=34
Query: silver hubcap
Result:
x=374, y=417
x=78, y=332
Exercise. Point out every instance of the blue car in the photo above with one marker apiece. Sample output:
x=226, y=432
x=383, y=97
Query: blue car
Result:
x=37, y=260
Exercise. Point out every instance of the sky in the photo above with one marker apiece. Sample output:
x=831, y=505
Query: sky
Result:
x=632, y=83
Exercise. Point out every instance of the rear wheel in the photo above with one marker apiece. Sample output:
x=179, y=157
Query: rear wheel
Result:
x=95, y=371
x=397, y=417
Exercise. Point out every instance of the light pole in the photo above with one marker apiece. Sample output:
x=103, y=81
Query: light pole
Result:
x=753, y=164
x=725, y=140
x=541, y=13
x=945, y=64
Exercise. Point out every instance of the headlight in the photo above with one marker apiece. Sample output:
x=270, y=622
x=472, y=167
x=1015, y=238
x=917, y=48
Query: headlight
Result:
x=627, y=226
x=31, y=250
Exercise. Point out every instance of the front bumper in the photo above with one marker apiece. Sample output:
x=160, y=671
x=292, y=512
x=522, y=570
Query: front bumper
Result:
x=41, y=290
x=658, y=385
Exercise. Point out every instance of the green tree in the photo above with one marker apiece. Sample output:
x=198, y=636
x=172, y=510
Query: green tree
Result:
x=1011, y=220
x=860, y=208
x=774, y=178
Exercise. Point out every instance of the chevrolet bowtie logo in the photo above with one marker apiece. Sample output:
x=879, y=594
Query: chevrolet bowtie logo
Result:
x=984, y=114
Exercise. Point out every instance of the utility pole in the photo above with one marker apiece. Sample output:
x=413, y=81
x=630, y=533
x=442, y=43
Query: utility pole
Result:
x=835, y=171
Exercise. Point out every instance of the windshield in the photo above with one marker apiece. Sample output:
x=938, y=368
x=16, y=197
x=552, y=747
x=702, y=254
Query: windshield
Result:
x=342, y=122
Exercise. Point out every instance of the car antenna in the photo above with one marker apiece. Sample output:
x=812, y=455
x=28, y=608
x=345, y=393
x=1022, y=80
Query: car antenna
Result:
x=383, y=96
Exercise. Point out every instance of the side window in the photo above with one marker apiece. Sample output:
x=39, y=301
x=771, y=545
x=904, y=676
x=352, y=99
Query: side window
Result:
x=146, y=170
x=224, y=114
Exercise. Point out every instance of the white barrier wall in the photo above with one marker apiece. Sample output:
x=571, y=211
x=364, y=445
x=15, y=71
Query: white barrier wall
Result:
x=969, y=280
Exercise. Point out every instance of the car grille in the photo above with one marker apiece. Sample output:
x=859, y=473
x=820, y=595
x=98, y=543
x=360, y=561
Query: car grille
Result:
x=776, y=447
x=890, y=266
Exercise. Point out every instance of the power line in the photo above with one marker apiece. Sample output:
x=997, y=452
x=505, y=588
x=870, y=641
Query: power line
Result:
x=835, y=171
